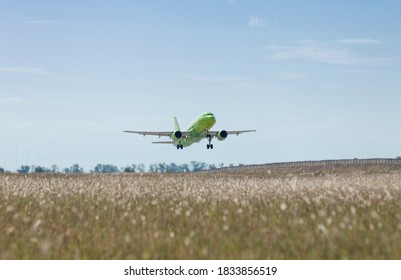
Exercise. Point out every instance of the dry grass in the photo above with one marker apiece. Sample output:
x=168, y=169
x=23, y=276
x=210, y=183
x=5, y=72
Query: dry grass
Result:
x=201, y=216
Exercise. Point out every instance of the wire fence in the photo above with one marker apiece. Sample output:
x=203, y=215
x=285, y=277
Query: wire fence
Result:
x=313, y=163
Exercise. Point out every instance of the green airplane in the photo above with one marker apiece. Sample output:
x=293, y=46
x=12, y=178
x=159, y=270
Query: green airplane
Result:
x=199, y=129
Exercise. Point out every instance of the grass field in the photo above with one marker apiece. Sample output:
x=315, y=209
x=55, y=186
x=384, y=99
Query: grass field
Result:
x=329, y=215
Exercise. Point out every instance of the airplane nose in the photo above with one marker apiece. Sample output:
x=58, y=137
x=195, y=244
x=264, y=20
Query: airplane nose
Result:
x=212, y=119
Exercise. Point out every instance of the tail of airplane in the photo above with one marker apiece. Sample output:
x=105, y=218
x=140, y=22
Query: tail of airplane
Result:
x=176, y=125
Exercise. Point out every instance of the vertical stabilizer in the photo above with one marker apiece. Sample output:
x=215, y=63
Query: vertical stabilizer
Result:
x=176, y=125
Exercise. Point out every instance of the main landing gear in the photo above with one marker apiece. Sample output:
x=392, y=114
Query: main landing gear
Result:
x=179, y=146
x=209, y=138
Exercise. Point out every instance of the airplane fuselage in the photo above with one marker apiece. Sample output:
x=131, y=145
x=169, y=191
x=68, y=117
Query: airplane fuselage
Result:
x=198, y=129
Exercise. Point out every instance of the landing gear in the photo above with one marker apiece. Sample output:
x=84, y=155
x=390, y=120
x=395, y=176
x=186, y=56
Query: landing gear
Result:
x=209, y=138
x=179, y=146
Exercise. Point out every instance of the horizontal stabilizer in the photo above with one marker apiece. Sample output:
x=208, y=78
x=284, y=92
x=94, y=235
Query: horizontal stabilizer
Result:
x=163, y=142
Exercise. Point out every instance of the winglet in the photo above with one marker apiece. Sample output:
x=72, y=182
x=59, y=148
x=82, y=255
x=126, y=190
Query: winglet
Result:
x=176, y=126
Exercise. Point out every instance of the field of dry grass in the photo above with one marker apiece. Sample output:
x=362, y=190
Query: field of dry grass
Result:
x=347, y=215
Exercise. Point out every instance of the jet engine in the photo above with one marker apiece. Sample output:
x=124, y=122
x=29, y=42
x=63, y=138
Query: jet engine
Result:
x=176, y=135
x=222, y=135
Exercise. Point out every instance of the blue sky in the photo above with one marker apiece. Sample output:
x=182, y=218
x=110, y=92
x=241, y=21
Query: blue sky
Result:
x=316, y=79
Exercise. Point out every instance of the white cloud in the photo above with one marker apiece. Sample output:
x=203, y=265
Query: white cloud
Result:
x=40, y=71
x=357, y=41
x=332, y=52
x=256, y=21
x=13, y=101
x=235, y=80
x=22, y=70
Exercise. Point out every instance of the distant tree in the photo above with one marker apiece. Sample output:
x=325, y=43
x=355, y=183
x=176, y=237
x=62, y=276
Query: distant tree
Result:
x=162, y=167
x=183, y=168
x=172, y=167
x=399, y=157
x=38, y=169
x=41, y=169
x=198, y=166
x=98, y=168
x=140, y=168
x=75, y=168
x=54, y=168
x=24, y=169
x=153, y=167
x=212, y=167
x=105, y=168
x=1, y=170
x=129, y=168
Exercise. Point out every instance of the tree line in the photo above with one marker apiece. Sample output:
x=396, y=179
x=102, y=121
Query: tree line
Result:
x=193, y=166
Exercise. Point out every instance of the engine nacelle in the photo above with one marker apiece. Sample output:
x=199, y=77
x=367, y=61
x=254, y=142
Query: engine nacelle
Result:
x=176, y=135
x=222, y=135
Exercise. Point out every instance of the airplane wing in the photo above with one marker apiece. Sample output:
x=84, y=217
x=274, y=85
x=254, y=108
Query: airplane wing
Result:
x=231, y=132
x=163, y=142
x=157, y=133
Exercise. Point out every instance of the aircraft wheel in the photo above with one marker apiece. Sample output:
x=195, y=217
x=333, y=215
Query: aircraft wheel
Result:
x=211, y=146
x=207, y=146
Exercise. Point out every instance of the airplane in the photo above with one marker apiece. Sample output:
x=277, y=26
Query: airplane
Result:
x=199, y=129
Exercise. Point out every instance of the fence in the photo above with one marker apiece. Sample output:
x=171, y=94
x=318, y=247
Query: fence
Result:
x=314, y=163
